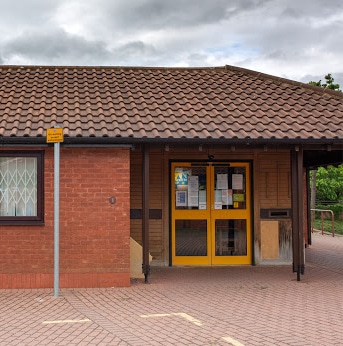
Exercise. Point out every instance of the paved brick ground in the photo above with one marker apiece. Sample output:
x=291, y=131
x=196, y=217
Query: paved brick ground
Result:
x=237, y=306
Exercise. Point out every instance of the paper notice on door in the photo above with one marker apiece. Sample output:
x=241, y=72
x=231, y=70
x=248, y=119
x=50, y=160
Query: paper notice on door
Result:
x=238, y=197
x=181, y=198
x=237, y=181
x=202, y=200
x=218, y=199
x=193, y=183
x=193, y=198
x=222, y=181
x=193, y=187
x=227, y=197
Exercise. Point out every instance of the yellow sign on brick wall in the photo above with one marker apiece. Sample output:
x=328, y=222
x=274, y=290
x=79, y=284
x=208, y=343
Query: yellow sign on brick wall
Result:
x=54, y=135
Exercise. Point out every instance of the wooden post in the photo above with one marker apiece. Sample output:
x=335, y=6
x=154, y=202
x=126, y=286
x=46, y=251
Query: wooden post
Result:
x=145, y=213
x=297, y=211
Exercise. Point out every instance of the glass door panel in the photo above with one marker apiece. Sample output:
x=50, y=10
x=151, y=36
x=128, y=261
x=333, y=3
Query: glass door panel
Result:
x=230, y=214
x=211, y=213
x=191, y=237
x=191, y=240
x=231, y=237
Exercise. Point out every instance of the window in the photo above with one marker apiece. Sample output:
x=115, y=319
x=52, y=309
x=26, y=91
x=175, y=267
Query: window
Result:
x=21, y=187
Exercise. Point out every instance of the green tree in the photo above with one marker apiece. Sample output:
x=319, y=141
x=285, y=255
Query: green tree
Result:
x=325, y=188
x=329, y=183
x=329, y=84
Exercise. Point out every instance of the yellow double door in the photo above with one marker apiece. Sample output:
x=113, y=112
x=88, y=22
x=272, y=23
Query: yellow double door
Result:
x=211, y=213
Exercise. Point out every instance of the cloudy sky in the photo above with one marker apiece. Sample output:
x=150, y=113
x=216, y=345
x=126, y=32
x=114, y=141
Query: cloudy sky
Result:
x=300, y=40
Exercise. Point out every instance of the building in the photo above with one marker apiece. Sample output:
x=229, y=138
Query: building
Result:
x=201, y=166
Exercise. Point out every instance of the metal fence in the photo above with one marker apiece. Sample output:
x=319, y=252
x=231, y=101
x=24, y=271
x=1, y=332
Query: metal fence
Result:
x=323, y=213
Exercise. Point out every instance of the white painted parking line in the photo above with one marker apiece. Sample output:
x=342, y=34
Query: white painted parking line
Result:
x=189, y=318
x=66, y=321
x=232, y=341
x=156, y=315
x=181, y=314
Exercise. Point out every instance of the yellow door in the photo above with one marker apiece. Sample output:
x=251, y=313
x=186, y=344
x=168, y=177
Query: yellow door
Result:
x=211, y=213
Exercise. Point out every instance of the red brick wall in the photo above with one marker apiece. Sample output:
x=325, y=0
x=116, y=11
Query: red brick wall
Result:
x=94, y=234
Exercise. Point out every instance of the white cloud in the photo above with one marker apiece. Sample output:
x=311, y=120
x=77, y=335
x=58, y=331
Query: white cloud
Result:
x=294, y=39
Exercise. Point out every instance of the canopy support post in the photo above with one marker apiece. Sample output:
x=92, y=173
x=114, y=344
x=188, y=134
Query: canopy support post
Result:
x=145, y=214
x=297, y=187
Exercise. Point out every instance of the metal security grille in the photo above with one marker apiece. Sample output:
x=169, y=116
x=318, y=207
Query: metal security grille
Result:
x=18, y=186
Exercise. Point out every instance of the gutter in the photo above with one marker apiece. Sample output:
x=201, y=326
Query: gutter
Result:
x=130, y=141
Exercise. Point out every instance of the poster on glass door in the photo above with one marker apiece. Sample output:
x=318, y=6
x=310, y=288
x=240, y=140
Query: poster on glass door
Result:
x=193, y=191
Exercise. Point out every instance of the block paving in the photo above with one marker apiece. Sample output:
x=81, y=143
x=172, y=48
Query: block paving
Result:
x=237, y=305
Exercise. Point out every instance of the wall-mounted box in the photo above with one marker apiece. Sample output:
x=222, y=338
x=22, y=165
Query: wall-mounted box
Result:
x=277, y=213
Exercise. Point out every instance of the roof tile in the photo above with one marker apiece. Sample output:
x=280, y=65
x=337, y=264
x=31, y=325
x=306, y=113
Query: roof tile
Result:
x=164, y=103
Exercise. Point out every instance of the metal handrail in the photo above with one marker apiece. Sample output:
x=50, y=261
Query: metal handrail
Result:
x=322, y=219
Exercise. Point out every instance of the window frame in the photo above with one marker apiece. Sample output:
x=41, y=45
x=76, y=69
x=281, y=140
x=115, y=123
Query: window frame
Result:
x=39, y=218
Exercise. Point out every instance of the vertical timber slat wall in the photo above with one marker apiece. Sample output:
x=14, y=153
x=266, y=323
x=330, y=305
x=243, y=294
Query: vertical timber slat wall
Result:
x=272, y=189
x=156, y=192
x=136, y=177
x=156, y=203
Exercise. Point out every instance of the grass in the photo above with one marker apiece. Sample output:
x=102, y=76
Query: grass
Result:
x=328, y=225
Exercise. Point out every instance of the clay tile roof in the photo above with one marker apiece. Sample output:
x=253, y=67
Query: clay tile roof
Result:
x=221, y=103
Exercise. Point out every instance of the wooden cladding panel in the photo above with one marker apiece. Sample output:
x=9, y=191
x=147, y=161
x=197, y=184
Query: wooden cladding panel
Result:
x=156, y=191
x=284, y=187
x=155, y=236
x=156, y=239
x=156, y=181
x=136, y=175
x=270, y=239
x=136, y=230
x=273, y=180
